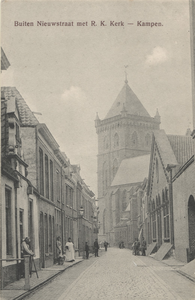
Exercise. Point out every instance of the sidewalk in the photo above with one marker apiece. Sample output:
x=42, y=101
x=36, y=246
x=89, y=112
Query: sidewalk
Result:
x=16, y=290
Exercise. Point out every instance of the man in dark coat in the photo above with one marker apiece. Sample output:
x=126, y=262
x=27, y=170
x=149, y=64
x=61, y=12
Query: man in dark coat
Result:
x=105, y=245
x=143, y=247
x=87, y=250
x=96, y=247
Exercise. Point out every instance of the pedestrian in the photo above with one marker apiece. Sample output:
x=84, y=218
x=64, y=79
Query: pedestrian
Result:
x=59, y=249
x=96, y=247
x=25, y=250
x=143, y=247
x=105, y=245
x=134, y=247
x=137, y=246
x=87, y=250
x=70, y=251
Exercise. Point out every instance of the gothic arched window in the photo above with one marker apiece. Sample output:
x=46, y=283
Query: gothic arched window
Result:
x=134, y=139
x=104, y=176
x=104, y=221
x=147, y=140
x=124, y=200
x=106, y=142
x=116, y=140
x=115, y=167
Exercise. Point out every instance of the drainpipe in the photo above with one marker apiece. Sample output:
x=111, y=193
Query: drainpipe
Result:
x=170, y=169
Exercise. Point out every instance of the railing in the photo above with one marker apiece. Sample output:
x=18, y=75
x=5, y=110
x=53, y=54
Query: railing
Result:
x=26, y=270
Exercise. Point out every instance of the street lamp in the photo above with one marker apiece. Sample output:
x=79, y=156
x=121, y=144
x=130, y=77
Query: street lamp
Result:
x=81, y=213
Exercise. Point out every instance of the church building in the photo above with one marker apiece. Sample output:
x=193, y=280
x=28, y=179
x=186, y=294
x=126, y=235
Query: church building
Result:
x=125, y=132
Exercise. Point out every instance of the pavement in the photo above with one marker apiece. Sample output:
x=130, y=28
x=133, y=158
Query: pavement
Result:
x=116, y=274
x=16, y=290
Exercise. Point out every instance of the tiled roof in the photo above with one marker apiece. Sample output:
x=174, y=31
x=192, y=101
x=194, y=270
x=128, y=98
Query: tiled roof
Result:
x=27, y=118
x=183, y=147
x=4, y=128
x=132, y=170
x=166, y=151
x=128, y=100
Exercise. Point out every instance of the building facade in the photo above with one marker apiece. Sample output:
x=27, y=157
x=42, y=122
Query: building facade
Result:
x=125, y=132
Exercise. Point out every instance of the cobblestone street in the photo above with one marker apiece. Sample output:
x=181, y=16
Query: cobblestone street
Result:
x=117, y=274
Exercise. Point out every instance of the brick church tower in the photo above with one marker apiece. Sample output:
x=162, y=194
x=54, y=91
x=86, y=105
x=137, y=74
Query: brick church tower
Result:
x=125, y=132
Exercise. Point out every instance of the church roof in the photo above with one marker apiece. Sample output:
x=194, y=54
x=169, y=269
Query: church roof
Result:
x=166, y=151
x=132, y=170
x=183, y=147
x=27, y=118
x=128, y=100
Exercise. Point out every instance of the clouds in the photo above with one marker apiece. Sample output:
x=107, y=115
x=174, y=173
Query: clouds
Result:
x=74, y=94
x=158, y=56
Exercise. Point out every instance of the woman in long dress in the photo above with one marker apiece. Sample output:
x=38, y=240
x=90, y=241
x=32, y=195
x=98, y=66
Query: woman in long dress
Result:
x=69, y=251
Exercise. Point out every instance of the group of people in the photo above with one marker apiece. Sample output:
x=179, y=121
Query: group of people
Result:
x=67, y=254
x=139, y=247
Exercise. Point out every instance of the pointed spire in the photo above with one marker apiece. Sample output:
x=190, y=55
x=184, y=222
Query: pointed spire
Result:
x=97, y=117
x=188, y=132
x=97, y=120
x=157, y=116
x=157, y=113
x=126, y=81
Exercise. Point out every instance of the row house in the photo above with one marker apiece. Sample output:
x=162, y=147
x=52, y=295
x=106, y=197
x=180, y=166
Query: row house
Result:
x=19, y=205
x=43, y=194
x=169, y=221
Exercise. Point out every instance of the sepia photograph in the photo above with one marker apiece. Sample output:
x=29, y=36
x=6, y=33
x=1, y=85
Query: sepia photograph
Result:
x=97, y=150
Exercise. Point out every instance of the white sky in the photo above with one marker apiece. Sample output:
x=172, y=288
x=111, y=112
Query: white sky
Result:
x=70, y=73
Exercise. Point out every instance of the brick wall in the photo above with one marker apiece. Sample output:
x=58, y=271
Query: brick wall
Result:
x=183, y=187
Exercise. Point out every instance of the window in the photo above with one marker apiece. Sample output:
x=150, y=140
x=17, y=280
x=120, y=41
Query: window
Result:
x=46, y=233
x=147, y=140
x=104, y=177
x=21, y=212
x=46, y=177
x=30, y=222
x=166, y=221
x=157, y=171
x=66, y=195
x=51, y=180
x=41, y=174
x=8, y=222
x=154, y=225
x=104, y=221
x=124, y=200
x=50, y=234
x=58, y=185
x=106, y=142
x=17, y=133
x=115, y=167
x=134, y=139
x=116, y=140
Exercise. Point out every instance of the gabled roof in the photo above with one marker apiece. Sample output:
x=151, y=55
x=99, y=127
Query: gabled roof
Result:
x=183, y=147
x=165, y=149
x=4, y=61
x=132, y=170
x=27, y=118
x=127, y=100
